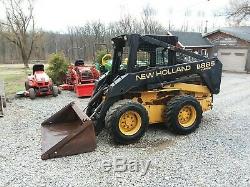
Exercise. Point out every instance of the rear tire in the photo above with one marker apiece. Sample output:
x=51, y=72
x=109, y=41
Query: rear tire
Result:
x=55, y=91
x=26, y=84
x=32, y=93
x=127, y=121
x=183, y=114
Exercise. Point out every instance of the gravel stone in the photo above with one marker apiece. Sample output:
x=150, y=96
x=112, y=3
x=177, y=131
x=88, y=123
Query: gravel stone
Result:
x=216, y=154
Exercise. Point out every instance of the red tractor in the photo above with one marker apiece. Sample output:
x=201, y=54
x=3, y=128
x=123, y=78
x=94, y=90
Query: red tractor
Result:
x=39, y=83
x=81, y=78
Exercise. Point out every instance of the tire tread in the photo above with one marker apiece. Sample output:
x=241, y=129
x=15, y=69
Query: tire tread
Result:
x=112, y=111
x=170, y=118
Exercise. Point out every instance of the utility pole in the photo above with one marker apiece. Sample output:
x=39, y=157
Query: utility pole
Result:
x=205, y=31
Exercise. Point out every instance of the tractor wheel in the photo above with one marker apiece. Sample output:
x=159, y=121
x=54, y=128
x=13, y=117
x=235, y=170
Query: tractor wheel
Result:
x=183, y=114
x=32, y=93
x=127, y=121
x=55, y=91
x=26, y=84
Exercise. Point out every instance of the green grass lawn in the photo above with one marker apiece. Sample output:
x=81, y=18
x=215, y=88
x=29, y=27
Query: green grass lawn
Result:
x=14, y=76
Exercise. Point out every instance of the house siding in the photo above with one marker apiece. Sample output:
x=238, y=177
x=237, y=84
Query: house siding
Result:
x=219, y=37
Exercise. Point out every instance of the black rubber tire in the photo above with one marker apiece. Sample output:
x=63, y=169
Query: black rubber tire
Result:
x=32, y=93
x=172, y=110
x=55, y=91
x=26, y=84
x=112, y=120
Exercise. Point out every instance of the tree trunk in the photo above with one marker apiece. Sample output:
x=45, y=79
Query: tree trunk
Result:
x=26, y=63
x=25, y=59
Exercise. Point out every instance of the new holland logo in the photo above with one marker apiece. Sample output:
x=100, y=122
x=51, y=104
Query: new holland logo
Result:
x=168, y=71
x=163, y=72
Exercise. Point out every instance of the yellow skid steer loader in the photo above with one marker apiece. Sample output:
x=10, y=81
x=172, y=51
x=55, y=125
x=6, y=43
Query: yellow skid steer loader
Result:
x=159, y=84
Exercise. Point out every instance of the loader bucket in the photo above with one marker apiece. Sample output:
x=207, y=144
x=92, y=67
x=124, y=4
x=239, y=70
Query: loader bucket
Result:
x=68, y=132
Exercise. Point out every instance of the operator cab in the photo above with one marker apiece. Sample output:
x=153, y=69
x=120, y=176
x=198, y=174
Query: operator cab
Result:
x=133, y=53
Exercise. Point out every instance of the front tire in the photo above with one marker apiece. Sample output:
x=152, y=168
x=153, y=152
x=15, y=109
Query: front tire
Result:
x=55, y=91
x=127, y=121
x=183, y=114
x=32, y=93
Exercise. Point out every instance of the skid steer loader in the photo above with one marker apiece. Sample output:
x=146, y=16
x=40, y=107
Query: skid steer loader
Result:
x=159, y=84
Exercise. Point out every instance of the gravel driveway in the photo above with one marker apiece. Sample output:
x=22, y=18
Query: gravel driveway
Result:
x=217, y=154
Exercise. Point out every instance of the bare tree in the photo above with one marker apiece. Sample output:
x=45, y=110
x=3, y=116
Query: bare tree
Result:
x=19, y=26
x=238, y=10
x=126, y=24
x=147, y=19
x=129, y=24
x=170, y=11
x=98, y=30
x=149, y=23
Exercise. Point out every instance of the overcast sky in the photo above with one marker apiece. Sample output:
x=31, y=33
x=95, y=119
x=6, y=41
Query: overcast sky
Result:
x=57, y=15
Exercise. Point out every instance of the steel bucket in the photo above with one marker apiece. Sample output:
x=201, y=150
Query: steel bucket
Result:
x=68, y=132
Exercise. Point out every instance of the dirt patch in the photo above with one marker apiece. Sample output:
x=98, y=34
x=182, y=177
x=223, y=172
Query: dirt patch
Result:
x=151, y=146
x=159, y=145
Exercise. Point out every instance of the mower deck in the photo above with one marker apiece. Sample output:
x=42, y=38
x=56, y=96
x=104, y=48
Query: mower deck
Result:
x=66, y=87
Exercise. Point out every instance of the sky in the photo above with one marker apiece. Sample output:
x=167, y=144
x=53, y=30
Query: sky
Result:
x=58, y=15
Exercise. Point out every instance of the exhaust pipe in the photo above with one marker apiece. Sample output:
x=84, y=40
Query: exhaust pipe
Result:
x=68, y=132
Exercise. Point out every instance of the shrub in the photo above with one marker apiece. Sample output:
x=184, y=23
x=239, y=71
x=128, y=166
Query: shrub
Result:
x=57, y=68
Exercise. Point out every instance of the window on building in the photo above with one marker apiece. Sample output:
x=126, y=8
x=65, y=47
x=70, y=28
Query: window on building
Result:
x=239, y=54
x=204, y=52
x=225, y=53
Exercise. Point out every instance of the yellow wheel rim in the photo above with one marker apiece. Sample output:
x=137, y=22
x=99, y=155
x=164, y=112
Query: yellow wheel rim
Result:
x=130, y=123
x=187, y=116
